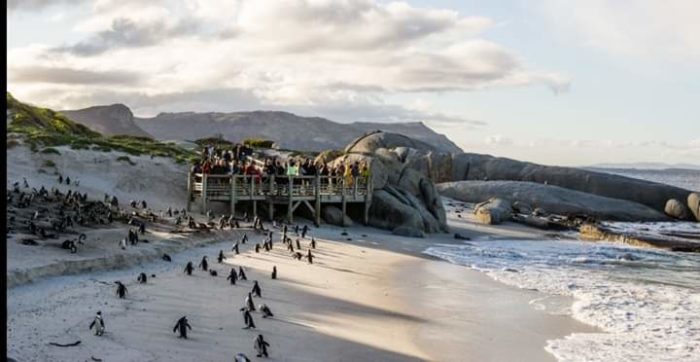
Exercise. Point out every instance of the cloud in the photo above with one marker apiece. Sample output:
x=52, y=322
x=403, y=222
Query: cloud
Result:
x=638, y=28
x=39, y=74
x=498, y=140
x=338, y=59
x=128, y=33
x=35, y=5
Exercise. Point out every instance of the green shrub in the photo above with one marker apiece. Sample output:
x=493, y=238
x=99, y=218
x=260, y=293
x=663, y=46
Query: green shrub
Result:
x=258, y=143
x=50, y=150
x=126, y=159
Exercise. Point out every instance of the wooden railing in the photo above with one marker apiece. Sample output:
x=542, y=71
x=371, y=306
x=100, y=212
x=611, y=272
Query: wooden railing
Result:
x=248, y=186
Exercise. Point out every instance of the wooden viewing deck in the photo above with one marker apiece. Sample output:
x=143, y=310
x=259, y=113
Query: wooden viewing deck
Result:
x=312, y=191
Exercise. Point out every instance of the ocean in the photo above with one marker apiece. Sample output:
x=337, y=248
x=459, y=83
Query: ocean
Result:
x=645, y=301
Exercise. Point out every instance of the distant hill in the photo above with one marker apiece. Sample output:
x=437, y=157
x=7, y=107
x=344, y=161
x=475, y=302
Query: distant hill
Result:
x=22, y=117
x=286, y=129
x=112, y=120
x=647, y=166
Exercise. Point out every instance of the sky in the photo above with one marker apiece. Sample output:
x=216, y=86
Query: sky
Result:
x=559, y=82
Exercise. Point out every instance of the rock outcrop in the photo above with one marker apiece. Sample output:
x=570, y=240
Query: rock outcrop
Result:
x=677, y=210
x=334, y=216
x=112, y=120
x=554, y=199
x=404, y=199
x=470, y=166
x=694, y=204
x=493, y=211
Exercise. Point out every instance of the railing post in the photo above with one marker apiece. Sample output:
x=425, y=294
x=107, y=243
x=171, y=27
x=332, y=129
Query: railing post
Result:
x=317, y=192
x=189, y=190
x=234, y=195
x=204, y=193
x=343, y=200
x=354, y=187
x=290, y=200
x=271, y=204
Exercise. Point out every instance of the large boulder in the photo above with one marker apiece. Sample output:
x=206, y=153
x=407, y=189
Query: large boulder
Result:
x=493, y=211
x=694, y=204
x=677, y=210
x=471, y=166
x=389, y=212
x=335, y=216
x=370, y=142
x=554, y=199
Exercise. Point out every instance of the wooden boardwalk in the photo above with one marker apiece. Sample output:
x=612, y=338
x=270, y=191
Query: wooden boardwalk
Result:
x=291, y=191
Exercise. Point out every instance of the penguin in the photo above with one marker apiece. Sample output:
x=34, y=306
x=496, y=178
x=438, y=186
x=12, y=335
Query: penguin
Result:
x=241, y=273
x=67, y=180
x=249, y=303
x=235, y=248
x=298, y=245
x=261, y=346
x=274, y=272
x=313, y=243
x=142, y=228
x=121, y=290
x=296, y=229
x=232, y=276
x=265, y=310
x=266, y=246
x=297, y=255
x=256, y=289
x=122, y=243
x=257, y=248
x=142, y=278
x=310, y=257
x=290, y=247
x=60, y=179
x=240, y=357
x=203, y=264
x=244, y=238
x=304, y=231
x=166, y=257
x=98, y=323
x=221, y=257
x=213, y=273
x=182, y=326
x=247, y=319
x=189, y=268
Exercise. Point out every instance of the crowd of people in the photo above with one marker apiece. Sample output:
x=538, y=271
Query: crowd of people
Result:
x=236, y=162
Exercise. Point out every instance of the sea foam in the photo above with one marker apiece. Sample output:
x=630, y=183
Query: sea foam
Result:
x=646, y=302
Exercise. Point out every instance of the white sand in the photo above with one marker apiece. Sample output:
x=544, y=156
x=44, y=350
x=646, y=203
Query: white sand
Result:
x=370, y=298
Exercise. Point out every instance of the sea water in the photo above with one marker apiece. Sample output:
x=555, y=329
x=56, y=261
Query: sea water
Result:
x=645, y=301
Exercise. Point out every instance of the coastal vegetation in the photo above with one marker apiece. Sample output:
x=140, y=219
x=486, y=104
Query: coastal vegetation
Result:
x=45, y=128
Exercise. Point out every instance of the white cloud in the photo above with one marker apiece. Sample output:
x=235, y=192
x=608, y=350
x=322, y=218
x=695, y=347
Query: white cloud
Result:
x=305, y=54
x=640, y=28
x=498, y=140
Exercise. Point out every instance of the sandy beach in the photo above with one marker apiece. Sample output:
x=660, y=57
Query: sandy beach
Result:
x=358, y=300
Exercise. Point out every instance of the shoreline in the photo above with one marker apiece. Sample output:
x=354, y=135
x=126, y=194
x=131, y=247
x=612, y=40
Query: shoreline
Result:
x=374, y=297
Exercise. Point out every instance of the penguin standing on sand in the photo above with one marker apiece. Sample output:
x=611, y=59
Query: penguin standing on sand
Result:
x=310, y=257
x=256, y=289
x=257, y=248
x=235, y=248
x=167, y=257
x=122, y=243
x=182, y=326
x=265, y=310
x=274, y=272
x=249, y=303
x=313, y=243
x=261, y=346
x=232, y=276
x=304, y=230
x=247, y=319
x=203, y=264
x=298, y=245
x=244, y=238
x=241, y=273
x=221, y=257
x=240, y=357
x=290, y=247
x=296, y=229
x=98, y=323
x=189, y=268
x=142, y=278
x=121, y=290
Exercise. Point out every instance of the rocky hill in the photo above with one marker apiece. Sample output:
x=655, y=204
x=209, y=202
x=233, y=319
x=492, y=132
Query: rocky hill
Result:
x=112, y=120
x=288, y=130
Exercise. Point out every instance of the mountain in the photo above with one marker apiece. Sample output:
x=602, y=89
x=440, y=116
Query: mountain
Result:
x=112, y=120
x=647, y=166
x=22, y=117
x=288, y=130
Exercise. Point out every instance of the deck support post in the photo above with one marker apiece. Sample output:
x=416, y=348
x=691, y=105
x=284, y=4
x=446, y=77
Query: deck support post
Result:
x=189, y=190
x=233, y=195
x=317, y=194
x=204, y=193
x=290, y=210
